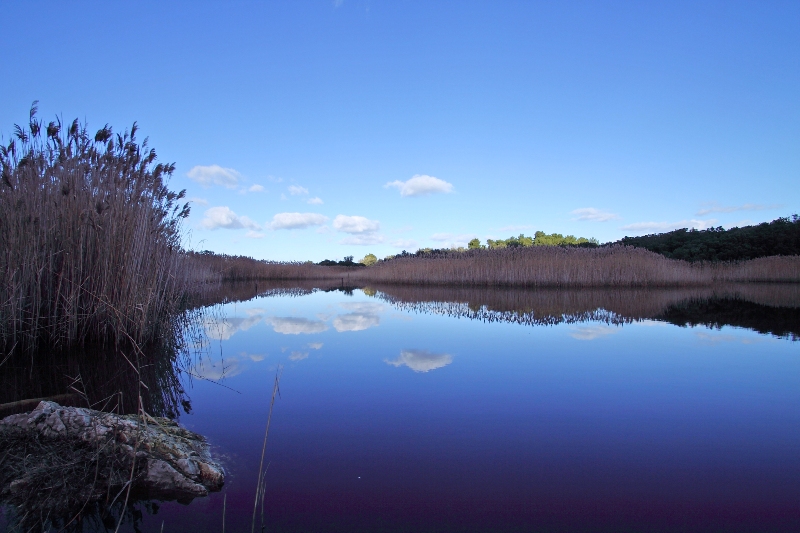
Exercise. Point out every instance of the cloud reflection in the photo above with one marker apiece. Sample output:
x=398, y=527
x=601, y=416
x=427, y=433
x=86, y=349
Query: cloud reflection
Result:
x=290, y=325
x=588, y=333
x=223, y=330
x=355, y=322
x=219, y=369
x=714, y=338
x=298, y=356
x=421, y=360
x=370, y=308
x=363, y=315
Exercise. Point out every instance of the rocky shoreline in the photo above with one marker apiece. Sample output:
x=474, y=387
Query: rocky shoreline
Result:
x=158, y=458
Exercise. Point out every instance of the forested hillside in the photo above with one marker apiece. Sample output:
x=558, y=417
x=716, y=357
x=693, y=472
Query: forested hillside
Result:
x=779, y=237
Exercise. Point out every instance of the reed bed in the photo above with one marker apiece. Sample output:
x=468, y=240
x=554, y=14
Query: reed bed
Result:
x=554, y=266
x=540, y=266
x=90, y=239
x=240, y=268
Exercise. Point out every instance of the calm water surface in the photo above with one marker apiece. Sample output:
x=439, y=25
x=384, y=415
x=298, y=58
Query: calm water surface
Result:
x=501, y=412
x=398, y=419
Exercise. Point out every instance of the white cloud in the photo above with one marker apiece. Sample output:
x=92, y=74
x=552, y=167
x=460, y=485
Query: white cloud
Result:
x=734, y=208
x=421, y=185
x=315, y=345
x=296, y=190
x=298, y=356
x=297, y=220
x=421, y=360
x=224, y=217
x=198, y=201
x=315, y=201
x=291, y=325
x=362, y=230
x=594, y=215
x=214, y=175
x=355, y=224
x=256, y=188
x=588, y=333
x=644, y=227
x=405, y=244
x=368, y=239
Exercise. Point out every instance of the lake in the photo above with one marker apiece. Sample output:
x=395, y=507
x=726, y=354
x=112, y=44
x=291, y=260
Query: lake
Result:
x=411, y=409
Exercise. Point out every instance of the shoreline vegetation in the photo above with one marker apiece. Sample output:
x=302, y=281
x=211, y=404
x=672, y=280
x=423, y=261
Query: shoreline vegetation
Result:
x=92, y=249
x=90, y=240
x=550, y=266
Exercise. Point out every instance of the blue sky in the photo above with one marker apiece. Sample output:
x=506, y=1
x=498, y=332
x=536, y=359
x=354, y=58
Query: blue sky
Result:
x=319, y=129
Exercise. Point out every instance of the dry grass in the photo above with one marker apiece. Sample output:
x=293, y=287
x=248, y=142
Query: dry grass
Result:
x=540, y=266
x=52, y=484
x=90, y=242
x=241, y=268
x=552, y=266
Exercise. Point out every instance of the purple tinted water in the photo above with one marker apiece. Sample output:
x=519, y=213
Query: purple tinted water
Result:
x=391, y=421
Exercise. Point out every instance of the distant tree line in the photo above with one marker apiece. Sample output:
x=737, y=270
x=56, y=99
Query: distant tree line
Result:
x=539, y=238
x=779, y=237
x=347, y=262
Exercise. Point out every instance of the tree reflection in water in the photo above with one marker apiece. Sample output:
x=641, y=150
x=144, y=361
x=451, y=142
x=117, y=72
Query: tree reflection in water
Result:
x=766, y=308
x=101, y=378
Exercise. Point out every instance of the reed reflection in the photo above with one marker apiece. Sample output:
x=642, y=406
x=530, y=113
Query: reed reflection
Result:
x=62, y=484
x=772, y=309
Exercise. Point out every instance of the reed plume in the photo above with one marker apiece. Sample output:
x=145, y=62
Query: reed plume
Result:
x=90, y=238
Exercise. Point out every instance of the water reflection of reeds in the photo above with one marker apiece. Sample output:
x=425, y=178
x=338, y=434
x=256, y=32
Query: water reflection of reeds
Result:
x=93, y=377
x=126, y=379
x=767, y=308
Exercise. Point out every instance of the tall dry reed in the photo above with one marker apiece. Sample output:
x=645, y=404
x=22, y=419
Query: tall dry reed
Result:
x=554, y=266
x=223, y=267
x=90, y=242
x=538, y=266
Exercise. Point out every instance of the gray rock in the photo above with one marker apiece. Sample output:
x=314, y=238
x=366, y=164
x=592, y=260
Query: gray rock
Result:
x=175, y=463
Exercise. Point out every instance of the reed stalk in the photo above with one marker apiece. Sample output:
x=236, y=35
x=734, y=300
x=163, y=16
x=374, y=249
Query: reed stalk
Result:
x=90, y=238
x=261, y=485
